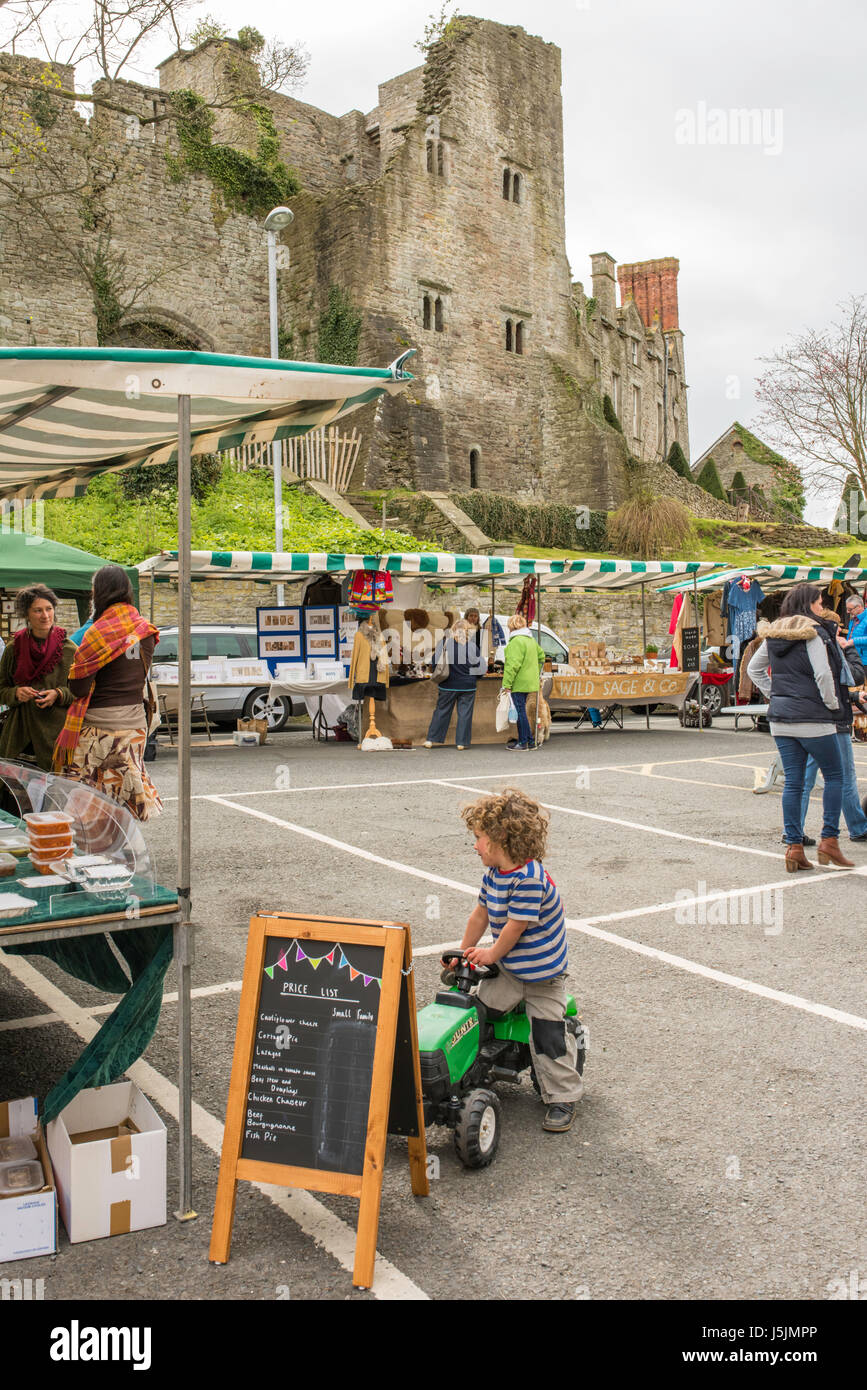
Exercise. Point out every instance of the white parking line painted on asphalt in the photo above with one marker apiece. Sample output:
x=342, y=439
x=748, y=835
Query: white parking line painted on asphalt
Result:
x=433, y=781
x=587, y=927
x=41, y=1020
x=632, y=824
x=315, y=1220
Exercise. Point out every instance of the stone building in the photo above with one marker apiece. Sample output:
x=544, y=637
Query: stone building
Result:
x=440, y=215
x=740, y=451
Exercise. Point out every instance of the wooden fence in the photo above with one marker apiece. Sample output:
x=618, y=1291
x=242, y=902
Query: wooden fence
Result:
x=324, y=454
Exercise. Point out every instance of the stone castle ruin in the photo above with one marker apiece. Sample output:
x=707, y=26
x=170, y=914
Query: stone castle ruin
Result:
x=439, y=217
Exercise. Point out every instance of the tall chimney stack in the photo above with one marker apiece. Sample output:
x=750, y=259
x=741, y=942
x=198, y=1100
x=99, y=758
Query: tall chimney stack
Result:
x=653, y=286
x=604, y=286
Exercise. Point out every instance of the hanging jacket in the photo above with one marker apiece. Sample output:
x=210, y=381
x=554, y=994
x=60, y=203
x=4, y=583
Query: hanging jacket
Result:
x=802, y=685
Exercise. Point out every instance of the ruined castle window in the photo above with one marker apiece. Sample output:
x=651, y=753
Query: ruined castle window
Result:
x=435, y=158
x=438, y=315
x=615, y=393
x=597, y=370
x=516, y=188
x=425, y=312
x=636, y=412
x=474, y=468
x=634, y=352
x=519, y=337
x=507, y=184
x=509, y=338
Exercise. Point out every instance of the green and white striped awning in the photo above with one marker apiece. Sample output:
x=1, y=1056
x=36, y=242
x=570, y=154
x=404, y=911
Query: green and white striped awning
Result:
x=772, y=577
x=69, y=413
x=435, y=566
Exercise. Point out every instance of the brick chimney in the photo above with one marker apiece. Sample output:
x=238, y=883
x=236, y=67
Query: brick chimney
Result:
x=653, y=286
x=604, y=287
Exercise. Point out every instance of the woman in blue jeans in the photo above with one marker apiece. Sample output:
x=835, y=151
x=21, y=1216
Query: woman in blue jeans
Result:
x=851, y=675
x=804, y=691
x=463, y=651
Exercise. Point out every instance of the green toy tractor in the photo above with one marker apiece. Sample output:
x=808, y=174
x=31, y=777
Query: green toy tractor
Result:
x=465, y=1047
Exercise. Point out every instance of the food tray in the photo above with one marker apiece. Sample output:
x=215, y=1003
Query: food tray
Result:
x=23, y=1176
x=12, y=905
x=16, y=1148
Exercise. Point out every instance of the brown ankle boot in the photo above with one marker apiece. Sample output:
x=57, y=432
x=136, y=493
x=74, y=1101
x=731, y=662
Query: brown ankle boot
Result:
x=797, y=859
x=830, y=854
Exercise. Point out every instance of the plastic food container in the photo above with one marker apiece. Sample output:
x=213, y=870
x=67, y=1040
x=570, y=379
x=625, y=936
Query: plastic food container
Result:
x=43, y=862
x=8, y=865
x=21, y=1177
x=51, y=842
x=13, y=842
x=15, y=1149
x=13, y=905
x=41, y=888
x=41, y=823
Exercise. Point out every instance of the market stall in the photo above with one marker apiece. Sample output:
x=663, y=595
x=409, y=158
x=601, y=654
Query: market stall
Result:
x=28, y=558
x=413, y=624
x=68, y=414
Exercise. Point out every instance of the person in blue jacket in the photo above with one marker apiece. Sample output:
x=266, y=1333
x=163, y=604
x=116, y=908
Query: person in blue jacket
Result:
x=857, y=615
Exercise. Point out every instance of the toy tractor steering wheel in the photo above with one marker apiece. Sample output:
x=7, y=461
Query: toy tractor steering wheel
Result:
x=470, y=973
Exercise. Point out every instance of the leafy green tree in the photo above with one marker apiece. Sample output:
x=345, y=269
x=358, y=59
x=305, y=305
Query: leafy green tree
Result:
x=339, y=330
x=709, y=479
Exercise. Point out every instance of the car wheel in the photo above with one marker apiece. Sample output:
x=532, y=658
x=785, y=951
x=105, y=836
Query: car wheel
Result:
x=276, y=711
x=712, y=699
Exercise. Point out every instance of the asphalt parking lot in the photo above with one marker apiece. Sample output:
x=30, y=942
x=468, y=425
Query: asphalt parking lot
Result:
x=718, y=1150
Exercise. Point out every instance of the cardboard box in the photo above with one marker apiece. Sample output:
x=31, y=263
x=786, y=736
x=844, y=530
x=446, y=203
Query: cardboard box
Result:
x=28, y=1220
x=108, y=1148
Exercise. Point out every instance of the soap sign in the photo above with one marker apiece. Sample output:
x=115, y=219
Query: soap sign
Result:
x=326, y=1065
x=690, y=649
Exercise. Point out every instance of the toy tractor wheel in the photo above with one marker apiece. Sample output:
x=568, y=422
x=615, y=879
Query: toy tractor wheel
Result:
x=477, y=1133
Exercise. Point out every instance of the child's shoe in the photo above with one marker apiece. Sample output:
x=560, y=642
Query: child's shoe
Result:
x=559, y=1117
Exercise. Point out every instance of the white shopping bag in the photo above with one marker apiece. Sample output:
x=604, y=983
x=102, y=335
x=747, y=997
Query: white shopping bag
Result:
x=503, y=716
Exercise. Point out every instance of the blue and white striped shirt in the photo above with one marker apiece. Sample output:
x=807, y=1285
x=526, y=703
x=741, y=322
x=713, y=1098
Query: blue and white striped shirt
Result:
x=528, y=894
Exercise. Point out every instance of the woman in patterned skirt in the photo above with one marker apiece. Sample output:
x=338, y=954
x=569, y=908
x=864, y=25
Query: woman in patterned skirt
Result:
x=102, y=742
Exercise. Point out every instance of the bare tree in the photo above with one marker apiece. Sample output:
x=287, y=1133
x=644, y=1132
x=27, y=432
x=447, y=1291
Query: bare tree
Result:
x=814, y=399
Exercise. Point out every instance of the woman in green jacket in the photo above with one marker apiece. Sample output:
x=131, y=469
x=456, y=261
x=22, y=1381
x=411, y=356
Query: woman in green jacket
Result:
x=33, y=679
x=521, y=675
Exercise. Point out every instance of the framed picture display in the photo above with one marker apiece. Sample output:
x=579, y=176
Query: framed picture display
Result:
x=321, y=645
x=320, y=620
x=278, y=619
x=281, y=647
x=347, y=626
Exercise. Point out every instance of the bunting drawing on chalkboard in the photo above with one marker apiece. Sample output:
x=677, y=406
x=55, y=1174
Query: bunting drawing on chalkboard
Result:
x=316, y=961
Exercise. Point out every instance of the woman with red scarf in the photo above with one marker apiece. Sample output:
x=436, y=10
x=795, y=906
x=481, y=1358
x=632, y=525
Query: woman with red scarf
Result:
x=102, y=741
x=34, y=670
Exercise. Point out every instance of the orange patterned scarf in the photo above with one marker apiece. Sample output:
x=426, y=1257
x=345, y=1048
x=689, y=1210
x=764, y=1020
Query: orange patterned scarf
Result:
x=118, y=629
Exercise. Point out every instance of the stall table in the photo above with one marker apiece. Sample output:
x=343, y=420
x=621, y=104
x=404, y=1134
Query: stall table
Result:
x=154, y=907
x=335, y=691
x=626, y=690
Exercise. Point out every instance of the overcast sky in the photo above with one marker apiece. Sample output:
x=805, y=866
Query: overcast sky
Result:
x=770, y=234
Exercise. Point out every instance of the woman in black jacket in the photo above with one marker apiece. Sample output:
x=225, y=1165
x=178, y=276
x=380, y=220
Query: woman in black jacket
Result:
x=805, y=703
x=461, y=647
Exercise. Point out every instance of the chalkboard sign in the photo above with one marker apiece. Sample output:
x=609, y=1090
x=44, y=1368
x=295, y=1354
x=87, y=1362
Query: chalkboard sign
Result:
x=313, y=1054
x=326, y=1063
x=691, y=650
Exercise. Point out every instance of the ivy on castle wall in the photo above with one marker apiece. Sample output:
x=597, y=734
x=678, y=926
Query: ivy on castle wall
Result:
x=251, y=184
x=339, y=330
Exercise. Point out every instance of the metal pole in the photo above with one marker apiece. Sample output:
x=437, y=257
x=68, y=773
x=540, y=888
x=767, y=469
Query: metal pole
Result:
x=644, y=647
x=539, y=640
x=698, y=623
x=276, y=447
x=183, y=936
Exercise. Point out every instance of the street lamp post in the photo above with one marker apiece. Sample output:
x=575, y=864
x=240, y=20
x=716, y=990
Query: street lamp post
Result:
x=277, y=219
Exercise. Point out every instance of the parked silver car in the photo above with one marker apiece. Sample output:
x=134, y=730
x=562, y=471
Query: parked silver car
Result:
x=228, y=703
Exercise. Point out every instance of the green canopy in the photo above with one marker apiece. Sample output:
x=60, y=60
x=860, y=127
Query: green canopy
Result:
x=34, y=560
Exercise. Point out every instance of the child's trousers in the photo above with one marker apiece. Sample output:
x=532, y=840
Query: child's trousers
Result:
x=553, y=1047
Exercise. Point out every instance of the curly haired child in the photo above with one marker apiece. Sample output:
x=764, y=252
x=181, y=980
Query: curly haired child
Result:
x=520, y=904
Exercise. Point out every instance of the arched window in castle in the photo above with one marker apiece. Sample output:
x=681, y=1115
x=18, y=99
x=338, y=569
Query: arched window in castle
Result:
x=425, y=312
x=516, y=188
x=519, y=337
x=509, y=335
x=507, y=184
x=474, y=468
x=436, y=158
x=438, y=315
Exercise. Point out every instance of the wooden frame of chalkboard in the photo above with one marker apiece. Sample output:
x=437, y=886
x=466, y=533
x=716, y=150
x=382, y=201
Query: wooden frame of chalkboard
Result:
x=326, y=1064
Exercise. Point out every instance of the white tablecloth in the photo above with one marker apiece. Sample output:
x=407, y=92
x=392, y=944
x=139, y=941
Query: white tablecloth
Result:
x=335, y=696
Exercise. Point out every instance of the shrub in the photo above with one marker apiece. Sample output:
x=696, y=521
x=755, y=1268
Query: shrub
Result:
x=648, y=526
x=709, y=479
x=610, y=414
x=547, y=525
x=677, y=460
